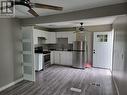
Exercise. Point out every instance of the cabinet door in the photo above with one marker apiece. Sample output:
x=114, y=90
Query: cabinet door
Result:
x=62, y=34
x=71, y=37
x=63, y=58
x=66, y=58
x=57, y=57
x=52, y=57
x=69, y=58
x=38, y=33
x=58, y=35
x=43, y=33
x=48, y=38
x=51, y=37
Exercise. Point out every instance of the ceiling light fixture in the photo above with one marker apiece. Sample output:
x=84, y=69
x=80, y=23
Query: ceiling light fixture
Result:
x=81, y=28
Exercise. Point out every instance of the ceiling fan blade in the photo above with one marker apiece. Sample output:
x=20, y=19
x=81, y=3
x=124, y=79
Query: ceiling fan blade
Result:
x=45, y=6
x=31, y=11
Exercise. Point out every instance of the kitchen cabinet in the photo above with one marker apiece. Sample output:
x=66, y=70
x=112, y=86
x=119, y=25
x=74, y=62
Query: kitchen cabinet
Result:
x=38, y=33
x=62, y=34
x=61, y=58
x=66, y=58
x=52, y=57
x=70, y=35
x=57, y=57
x=51, y=38
x=58, y=35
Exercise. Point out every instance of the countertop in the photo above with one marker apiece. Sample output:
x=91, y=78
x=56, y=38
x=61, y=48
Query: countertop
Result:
x=61, y=50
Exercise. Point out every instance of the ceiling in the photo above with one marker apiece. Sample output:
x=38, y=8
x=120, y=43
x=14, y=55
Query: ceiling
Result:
x=68, y=6
x=76, y=23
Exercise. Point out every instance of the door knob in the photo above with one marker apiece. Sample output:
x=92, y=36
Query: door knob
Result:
x=94, y=51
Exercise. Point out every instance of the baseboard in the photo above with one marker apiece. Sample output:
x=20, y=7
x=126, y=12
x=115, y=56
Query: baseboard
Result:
x=117, y=90
x=116, y=87
x=10, y=84
x=61, y=65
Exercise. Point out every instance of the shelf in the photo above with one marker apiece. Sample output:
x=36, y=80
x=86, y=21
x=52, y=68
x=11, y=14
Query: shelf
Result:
x=27, y=52
x=26, y=40
x=27, y=64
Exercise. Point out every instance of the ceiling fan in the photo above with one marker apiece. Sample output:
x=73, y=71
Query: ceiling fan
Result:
x=80, y=28
x=31, y=5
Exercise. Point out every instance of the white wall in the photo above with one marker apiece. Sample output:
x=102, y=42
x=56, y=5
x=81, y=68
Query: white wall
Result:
x=120, y=54
x=10, y=51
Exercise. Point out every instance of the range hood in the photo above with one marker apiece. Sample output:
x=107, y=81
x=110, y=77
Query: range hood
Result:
x=41, y=40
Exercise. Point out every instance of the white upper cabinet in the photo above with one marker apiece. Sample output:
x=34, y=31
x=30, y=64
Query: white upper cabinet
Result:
x=58, y=35
x=51, y=38
x=62, y=34
x=70, y=35
x=38, y=33
x=43, y=33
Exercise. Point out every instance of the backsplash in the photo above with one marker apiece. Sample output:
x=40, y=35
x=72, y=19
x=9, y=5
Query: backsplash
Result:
x=62, y=43
x=60, y=47
x=55, y=47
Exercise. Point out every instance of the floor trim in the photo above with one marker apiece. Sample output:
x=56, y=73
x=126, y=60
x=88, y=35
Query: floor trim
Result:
x=116, y=87
x=117, y=90
x=10, y=84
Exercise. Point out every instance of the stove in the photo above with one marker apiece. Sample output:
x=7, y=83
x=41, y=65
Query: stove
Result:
x=46, y=56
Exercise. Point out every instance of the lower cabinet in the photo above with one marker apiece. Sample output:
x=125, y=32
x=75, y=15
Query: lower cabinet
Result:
x=57, y=57
x=52, y=57
x=61, y=58
x=66, y=58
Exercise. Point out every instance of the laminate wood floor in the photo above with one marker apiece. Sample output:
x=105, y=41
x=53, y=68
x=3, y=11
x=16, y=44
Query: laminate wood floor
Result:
x=58, y=80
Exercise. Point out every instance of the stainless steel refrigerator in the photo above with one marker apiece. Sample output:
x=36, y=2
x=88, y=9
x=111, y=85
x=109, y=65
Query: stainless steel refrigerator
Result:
x=78, y=54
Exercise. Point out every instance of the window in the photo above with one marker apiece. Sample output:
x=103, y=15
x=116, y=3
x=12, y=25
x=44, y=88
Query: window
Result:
x=102, y=38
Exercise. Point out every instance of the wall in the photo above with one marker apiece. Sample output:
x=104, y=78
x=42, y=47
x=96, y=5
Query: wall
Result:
x=10, y=51
x=120, y=54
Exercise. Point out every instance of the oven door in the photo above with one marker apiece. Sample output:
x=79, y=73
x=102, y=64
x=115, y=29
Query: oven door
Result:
x=47, y=62
x=46, y=58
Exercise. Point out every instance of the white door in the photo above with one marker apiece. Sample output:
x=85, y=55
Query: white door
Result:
x=102, y=49
x=28, y=54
